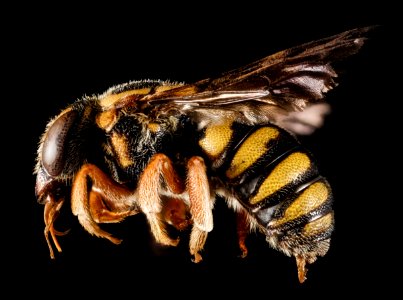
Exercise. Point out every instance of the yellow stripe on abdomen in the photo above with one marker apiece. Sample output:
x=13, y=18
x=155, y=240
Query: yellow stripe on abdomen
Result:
x=216, y=138
x=253, y=148
x=311, y=198
x=286, y=172
x=318, y=226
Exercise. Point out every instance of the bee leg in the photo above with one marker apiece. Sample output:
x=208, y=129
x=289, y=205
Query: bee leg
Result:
x=52, y=209
x=309, y=257
x=198, y=238
x=242, y=231
x=201, y=205
x=302, y=270
x=148, y=195
x=101, y=213
x=175, y=212
x=104, y=201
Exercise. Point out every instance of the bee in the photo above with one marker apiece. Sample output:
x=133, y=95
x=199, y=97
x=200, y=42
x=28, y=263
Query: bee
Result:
x=168, y=150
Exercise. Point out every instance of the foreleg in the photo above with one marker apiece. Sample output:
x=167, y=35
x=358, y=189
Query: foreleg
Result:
x=96, y=198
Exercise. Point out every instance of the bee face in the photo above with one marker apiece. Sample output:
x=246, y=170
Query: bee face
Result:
x=52, y=153
x=167, y=149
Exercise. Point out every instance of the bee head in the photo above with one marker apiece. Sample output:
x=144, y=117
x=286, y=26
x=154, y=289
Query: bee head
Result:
x=64, y=147
x=52, y=153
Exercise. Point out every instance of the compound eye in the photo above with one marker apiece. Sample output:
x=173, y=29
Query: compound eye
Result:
x=54, y=146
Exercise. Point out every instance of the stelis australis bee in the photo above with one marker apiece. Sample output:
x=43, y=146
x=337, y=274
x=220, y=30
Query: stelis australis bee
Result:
x=167, y=149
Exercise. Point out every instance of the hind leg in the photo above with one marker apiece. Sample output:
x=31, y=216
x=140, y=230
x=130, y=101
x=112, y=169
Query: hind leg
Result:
x=201, y=205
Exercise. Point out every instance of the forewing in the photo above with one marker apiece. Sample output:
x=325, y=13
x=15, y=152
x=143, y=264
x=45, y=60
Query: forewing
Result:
x=272, y=88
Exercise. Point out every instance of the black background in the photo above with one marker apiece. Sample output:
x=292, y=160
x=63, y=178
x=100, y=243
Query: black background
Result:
x=60, y=56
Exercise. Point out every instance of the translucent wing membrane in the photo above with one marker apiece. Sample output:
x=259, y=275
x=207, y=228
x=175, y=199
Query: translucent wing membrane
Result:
x=271, y=88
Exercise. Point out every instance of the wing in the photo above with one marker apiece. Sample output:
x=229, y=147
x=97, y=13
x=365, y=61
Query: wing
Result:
x=276, y=88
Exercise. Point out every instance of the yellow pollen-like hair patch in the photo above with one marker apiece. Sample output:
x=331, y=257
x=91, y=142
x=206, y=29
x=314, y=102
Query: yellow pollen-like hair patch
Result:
x=287, y=171
x=111, y=99
x=119, y=143
x=154, y=127
x=254, y=147
x=106, y=119
x=311, y=198
x=319, y=225
x=216, y=138
x=163, y=88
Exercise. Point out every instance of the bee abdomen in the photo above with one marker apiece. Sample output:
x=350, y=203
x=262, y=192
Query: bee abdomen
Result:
x=297, y=217
x=303, y=223
x=271, y=184
x=303, y=209
x=276, y=179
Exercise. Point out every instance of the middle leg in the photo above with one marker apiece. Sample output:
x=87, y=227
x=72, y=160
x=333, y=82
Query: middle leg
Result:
x=148, y=194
